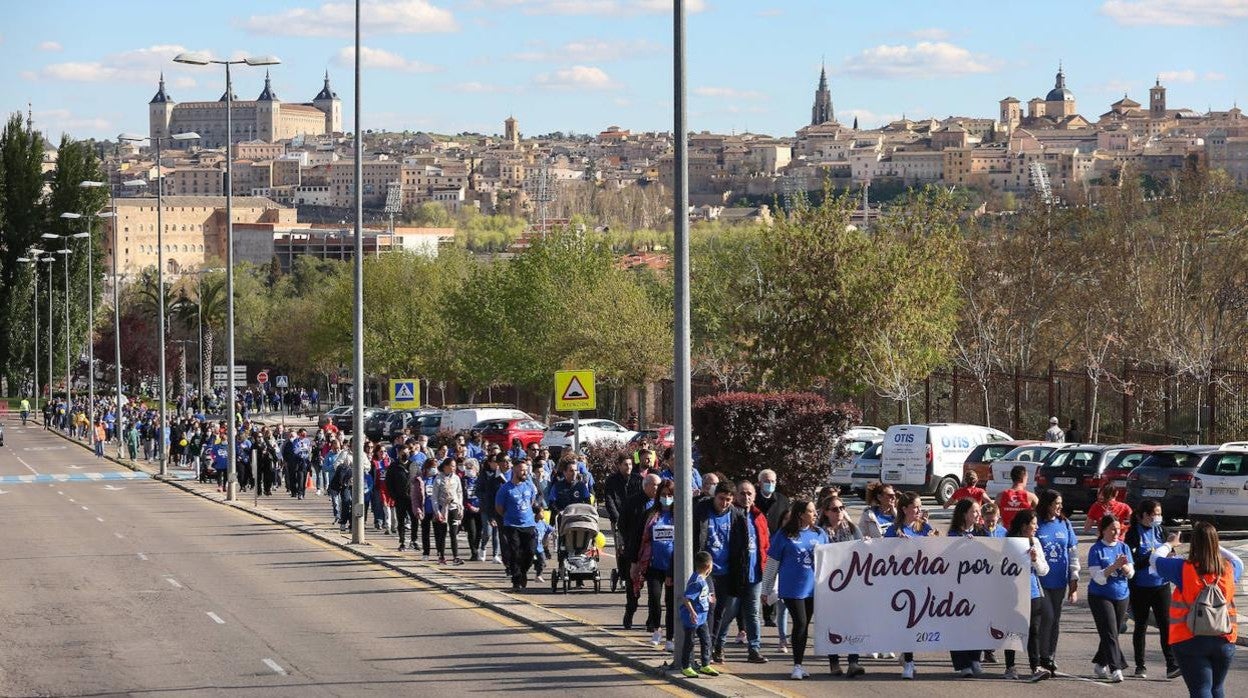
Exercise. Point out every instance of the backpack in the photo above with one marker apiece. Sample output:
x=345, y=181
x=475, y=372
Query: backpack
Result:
x=1210, y=614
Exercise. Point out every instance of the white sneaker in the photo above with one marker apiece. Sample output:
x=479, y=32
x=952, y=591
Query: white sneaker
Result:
x=977, y=669
x=539, y=579
x=907, y=671
x=318, y=492
x=741, y=637
x=669, y=646
x=656, y=637
x=1116, y=676
x=889, y=655
x=804, y=674
x=783, y=647
x=797, y=674
x=424, y=558
x=1100, y=672
x=498, y=559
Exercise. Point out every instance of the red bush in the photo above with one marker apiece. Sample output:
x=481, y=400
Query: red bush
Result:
x=794, y=434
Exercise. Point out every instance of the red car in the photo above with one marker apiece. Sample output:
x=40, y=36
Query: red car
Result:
x=502, y=431
x=660, y=436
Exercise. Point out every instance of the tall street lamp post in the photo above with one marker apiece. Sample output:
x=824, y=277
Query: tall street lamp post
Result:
x=160, y=280
x=231, y=490
x=34, y=260
x=69, y=379
x=119, y=422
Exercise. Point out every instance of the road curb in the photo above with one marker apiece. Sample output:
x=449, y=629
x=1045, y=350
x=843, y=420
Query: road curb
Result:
x=587, y=636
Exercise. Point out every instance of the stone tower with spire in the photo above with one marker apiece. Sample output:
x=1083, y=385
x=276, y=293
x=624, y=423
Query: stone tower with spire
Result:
x=327, y=101
x=268, y=112
x=160, y=112
x=1157, y=101
x=821, y=112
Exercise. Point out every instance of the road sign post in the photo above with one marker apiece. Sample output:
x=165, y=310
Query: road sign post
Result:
x=575, y=391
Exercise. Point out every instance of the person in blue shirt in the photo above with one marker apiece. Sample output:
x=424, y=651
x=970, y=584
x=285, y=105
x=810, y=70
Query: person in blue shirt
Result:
x=544, y=543
x=569, y=488
x=695, y=609
x=721, y=530
x=791, y=566
x=428, y=479
x=1109, y=562
x=910, y=521
x=1204, y=659
x=514, y=503
x=472, y=508
x=655, y=559
x=516, y=452
x=474, y=447
x=1024, y=526
x=1061, y=551
x=1149, y=592
x=990, y=522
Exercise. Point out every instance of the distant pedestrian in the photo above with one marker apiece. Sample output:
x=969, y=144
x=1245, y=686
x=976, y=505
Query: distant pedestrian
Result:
x=1055, y=433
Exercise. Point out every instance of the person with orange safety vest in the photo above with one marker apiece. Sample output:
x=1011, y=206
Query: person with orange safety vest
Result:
x=1204, y=657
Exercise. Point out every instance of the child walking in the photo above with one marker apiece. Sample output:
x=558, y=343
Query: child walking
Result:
x=694, y=609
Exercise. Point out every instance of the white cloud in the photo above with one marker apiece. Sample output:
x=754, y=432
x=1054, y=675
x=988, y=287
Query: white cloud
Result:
x=53, y=122
x=338, y=19
x=578, y=77
x=1189, y=76
x=924, y=59
x=590, y=51
x=382, y=59
x=138, y=65
x=728, y=93
x=1175, y=13
x=608, y=8
x=930, y=34
x=49, y=46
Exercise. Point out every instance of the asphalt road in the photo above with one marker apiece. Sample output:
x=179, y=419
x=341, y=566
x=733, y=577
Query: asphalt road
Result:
x=113, y=587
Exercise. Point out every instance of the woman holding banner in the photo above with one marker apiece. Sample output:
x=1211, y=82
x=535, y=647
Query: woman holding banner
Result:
x=791, y=565
x=880, y=512
x=911, y=521
x=839, y=529
x=1109, y=562
x=964, y=523
x=1061, y=551
x=1024, y=525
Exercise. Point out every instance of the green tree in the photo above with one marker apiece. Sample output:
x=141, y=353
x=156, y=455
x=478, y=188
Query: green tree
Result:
x=22, y=215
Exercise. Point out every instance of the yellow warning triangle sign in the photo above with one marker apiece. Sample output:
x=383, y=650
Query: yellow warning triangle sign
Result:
x=575, y=391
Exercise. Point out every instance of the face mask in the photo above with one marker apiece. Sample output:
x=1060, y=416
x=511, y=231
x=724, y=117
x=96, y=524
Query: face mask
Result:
x=667, y=501
x=768, y=488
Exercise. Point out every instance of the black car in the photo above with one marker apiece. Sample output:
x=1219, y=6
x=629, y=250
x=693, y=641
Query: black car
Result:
x=387, y=424
x=1165, y=476
x=343, y=418
x=1076, y=473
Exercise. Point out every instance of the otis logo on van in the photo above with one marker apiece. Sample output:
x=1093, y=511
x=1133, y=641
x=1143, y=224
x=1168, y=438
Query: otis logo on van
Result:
x=955, y=442
x=903, y=438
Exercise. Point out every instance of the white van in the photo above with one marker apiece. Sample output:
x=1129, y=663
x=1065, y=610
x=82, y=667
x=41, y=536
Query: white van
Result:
x=465, y=418
x=928, y=458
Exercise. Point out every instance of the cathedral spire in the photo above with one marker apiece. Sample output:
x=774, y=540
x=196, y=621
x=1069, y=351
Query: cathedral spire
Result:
x=161, y=96
x=326, y=92
x=821, y=112
x=268, y=95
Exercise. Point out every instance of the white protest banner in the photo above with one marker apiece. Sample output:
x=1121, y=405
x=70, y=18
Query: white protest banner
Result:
x=921, y=595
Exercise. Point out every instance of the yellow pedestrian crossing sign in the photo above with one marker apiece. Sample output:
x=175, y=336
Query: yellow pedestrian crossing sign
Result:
x=574, y=391
x=404, y=393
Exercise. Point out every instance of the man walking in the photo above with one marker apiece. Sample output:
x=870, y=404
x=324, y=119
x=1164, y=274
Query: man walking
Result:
x=514, y=503
x=774, y=505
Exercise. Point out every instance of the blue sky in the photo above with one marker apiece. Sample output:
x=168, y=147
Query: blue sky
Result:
x=89, y=68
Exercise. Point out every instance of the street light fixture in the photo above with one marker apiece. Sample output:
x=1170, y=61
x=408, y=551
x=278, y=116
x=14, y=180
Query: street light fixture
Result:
x=90, y=317
x=69, y=380
x=160, y=277
x=34, y=259
x=120, y=421
x=201, y=59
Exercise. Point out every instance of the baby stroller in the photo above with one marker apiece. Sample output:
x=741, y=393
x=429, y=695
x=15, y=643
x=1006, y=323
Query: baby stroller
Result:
x=578, y=554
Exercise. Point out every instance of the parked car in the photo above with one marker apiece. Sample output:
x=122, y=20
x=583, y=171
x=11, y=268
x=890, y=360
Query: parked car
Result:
x=852, y=444
x=1166, y=476
x=866, y=468
x=465, y=417
x=391, y=423
x=928, y=457
x=660, y=436
x=502, y=431
x=981, y=457
x=1030, y=457
x=1120, y=467
x=1219, y=492
x=1076, y=473
x=559, y=435
x=341, y=417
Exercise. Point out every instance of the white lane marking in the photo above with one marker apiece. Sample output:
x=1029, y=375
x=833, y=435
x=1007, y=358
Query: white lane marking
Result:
x=95, y=476
x=142, y=556
x=113, y=489
x=60, y=493
x=84, y=508
x=277, y=668
x=71, y=501
x=23, y=462
x=216, y=618
x=119, y=536
x=4, y=492
x=99, y=519
x=174, y=582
